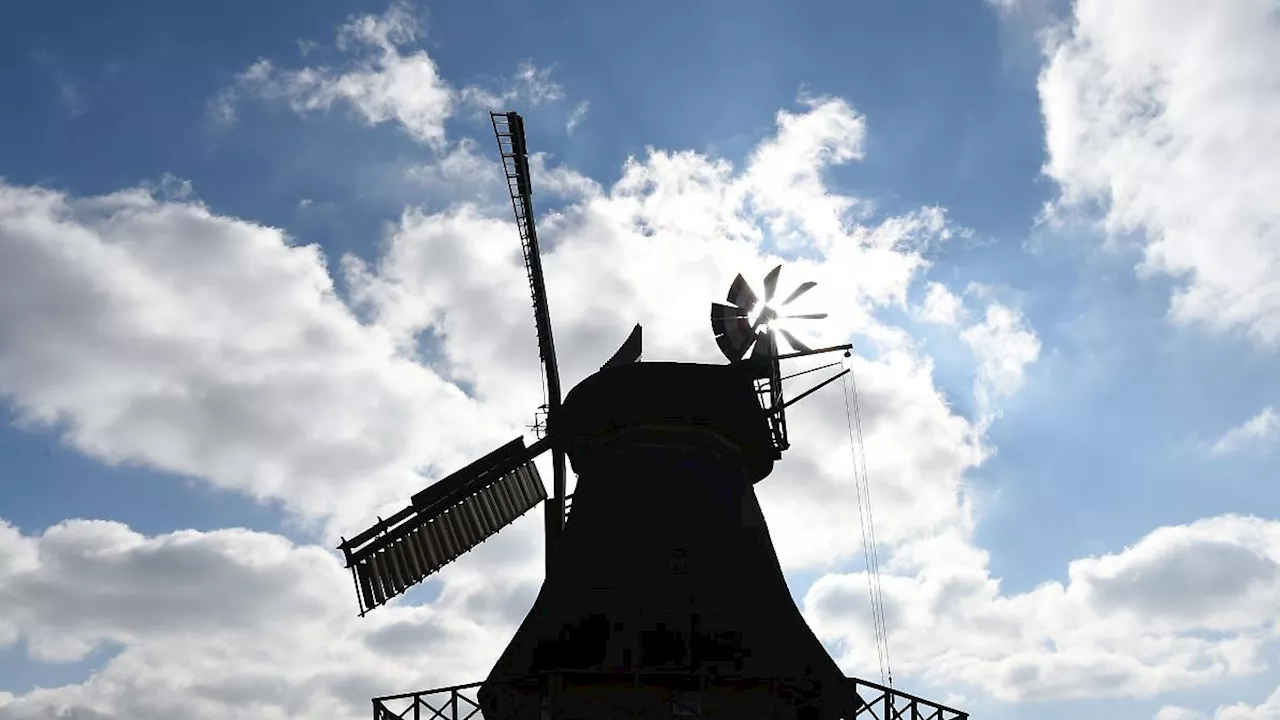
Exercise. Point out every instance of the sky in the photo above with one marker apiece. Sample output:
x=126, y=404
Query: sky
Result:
x=259, y=284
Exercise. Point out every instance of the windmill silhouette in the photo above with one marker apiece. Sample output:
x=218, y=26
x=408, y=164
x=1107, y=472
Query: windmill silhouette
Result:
x=663, y=594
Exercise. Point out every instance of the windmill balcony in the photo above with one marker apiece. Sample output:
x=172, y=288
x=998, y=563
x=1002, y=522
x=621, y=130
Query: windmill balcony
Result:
x=582, y=696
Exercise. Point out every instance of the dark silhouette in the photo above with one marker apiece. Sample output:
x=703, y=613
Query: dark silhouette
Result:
x=665, y=568
x=663, y=595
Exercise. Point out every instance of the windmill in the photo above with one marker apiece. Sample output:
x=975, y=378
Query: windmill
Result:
x=663, y=594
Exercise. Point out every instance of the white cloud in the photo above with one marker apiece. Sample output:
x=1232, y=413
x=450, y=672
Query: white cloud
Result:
x=469, y=174
x=70, y=93
x=579, y=112
x=245, y=623
x=71, y=97
x=1004, y=345
x=156, y=332
x=785, y=175
x=536, y=84
x=1035, y=8
x=225, y=624
x=1167, y=115
x=1170, y=712
x=531, y=86
x=1187, y=605
x=1261, y=430
x=464, y=173
x=1268, y=709
x=940, y=306
x=387, y=83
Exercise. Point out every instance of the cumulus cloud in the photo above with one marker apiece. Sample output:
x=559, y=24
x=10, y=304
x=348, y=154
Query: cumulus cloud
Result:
x=1260, y=431
x=1268, y=709
x=1170, y=712
x=575, y=117
x=156, y=332
x=940, y=306
x=531, y=86
x=387, y=84
x=388, y=81
x=1005, y=345
x=1186, y=605
x=250, y=624
x=1166, y=117
x=228, y=623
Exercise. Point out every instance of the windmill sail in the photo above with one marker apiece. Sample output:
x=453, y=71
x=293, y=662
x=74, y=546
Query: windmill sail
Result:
x=444, y=521
x=508, y=128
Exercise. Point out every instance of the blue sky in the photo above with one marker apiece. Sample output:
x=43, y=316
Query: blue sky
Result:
x=1105, y=410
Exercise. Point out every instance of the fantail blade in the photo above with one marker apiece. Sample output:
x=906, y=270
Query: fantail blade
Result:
x=732, y=330
x=804, y=288
x=771, y=283
x=741, y=294
x=791, y=340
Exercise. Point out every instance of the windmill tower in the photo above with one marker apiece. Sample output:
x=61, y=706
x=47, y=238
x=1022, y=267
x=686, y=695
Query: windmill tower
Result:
x=663, y=594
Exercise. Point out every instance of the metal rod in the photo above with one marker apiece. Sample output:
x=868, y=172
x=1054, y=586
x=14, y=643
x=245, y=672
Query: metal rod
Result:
x=451, y=483
x=808, y=392
x=804, y=372
x=378, y=528
x=806, y=353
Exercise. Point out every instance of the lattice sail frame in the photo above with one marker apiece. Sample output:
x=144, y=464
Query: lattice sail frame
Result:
x=444, y=521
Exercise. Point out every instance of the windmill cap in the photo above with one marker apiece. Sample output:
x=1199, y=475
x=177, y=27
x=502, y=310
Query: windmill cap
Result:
x=708, y=406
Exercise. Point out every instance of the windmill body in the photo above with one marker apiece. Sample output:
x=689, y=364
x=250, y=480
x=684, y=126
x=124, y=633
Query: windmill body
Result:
x=664, y=580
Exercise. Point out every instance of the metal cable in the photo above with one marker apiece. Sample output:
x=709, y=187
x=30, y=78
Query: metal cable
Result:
x=853, y=415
